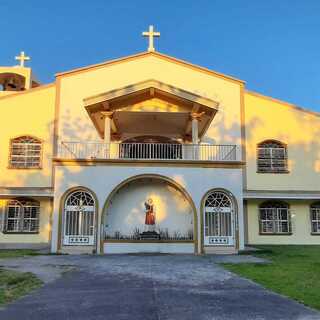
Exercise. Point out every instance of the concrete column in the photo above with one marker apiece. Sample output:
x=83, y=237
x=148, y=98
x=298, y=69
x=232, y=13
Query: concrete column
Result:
x=195, y=134
x=107, y=125
x=107, y=130
x=195, y=129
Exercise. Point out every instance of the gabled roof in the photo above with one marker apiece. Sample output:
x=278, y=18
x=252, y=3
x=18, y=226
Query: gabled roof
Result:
x=147, y=53
x=146, y=85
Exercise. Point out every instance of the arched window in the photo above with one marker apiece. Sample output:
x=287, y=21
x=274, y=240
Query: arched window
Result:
x=315, y=217
x=25, y=152
x=272, y=157
x=218, y=219
x=79, y=218
x=274, y=218
x=22, y=216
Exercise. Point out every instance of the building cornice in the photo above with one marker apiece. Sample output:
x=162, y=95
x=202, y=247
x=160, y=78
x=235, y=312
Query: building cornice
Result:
x=149, y=163
x=26, y=192
x=281, y=194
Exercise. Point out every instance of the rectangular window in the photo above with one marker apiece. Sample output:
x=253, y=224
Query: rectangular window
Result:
x=25, y=155
x=273, y=160
x=13, y=218
x=315, y=220
x=22, y=218
x=275, y=221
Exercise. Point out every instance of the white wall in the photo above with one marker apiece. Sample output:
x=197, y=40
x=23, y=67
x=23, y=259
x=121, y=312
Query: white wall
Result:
x=103, y=179
x=115, y=248
x=127, y=210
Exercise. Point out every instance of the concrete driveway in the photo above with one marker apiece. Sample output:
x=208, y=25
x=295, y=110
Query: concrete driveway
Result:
x=144, y=287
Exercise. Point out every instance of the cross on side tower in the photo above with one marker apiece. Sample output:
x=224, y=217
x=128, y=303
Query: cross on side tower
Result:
x=151, y=34
x=22, y=58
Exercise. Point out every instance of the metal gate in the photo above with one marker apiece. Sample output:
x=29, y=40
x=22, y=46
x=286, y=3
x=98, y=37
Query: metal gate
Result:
x=79, y=219
x=218, y=219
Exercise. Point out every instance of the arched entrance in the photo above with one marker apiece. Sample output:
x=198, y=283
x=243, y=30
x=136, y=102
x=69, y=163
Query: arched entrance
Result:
x=149, y=213
x=219, y=218
x=78, y=219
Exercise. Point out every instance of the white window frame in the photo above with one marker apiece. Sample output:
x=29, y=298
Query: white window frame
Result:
x=25, y=153
x=272, y=158
x=315, y=211
x=273, y=225
x=21, y=216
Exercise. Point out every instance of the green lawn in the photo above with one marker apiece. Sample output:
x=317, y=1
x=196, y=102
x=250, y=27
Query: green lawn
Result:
x=294, y=271
x=15, y=253
x=15, y=284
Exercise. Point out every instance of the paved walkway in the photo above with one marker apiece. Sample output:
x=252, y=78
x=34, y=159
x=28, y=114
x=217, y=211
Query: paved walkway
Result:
x=146, y=287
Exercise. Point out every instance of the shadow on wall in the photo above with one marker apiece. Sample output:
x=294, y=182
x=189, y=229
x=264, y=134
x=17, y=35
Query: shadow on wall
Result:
x=300, y=132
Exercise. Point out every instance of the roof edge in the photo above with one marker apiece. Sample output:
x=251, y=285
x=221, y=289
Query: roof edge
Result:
x=147, y=53
x=288, y=104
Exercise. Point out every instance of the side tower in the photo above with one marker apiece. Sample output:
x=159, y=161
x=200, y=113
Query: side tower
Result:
x=26, y=140
x=17, y=78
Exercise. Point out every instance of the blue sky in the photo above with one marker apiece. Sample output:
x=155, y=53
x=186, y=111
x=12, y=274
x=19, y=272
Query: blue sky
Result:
x=273, y=45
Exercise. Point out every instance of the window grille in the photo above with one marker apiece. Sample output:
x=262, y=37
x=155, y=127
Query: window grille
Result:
x=25, y=152
x=272, y=157
x=315, y=217
x=275, y=218
x=22, y=216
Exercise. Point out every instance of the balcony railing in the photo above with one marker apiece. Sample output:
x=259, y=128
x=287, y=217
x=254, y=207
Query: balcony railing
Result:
x=147, y=151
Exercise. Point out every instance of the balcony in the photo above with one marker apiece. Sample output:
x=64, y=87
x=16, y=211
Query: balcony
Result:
x=147, y=151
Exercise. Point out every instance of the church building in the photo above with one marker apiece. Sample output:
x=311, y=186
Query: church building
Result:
x=149, y=153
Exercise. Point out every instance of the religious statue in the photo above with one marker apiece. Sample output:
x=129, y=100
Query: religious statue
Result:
x=149, y=232
x=150, y=220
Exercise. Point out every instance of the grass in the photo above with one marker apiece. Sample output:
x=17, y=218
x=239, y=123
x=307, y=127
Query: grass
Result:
x=294, y=271
x=15, y=253
x=14, y=285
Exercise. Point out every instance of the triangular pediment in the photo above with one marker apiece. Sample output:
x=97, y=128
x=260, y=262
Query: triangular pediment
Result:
x=158, y=55
x=148, y=89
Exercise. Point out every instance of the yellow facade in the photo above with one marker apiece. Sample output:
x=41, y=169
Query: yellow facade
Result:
x=300, y=220
x=44, y=235
x=27, y=113
x=76, y=86
x=265, y=119
x=57, y=113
